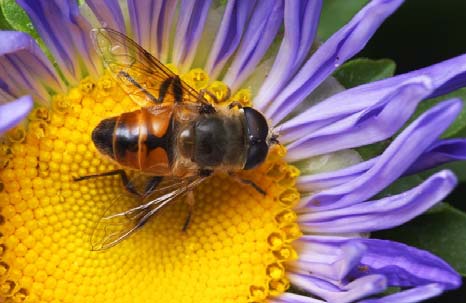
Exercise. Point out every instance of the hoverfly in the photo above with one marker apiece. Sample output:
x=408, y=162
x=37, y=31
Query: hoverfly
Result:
x=179, y=136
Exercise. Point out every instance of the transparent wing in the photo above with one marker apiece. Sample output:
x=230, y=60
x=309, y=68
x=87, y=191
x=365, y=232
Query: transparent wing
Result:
x=117, y=224
x=144, y=78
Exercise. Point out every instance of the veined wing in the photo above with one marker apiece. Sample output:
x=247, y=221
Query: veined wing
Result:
x=116, y=225
x=144, y=78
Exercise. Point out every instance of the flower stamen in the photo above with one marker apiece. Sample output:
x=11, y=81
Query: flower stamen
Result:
x=236, y=246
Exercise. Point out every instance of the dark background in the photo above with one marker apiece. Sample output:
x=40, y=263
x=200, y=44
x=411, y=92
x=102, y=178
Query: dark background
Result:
x=420, y=33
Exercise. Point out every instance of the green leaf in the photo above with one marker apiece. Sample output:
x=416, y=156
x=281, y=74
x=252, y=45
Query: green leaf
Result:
x=442, y=232
x=335, y=14
x=458, y=127
x=401, y=185
x=458, y=167
x=372, y=150
x=16, y=18
x=361, y=71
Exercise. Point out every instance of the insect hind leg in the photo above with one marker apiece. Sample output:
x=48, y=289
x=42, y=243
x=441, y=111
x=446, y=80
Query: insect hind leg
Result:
x=139, y=86
x=129, y=186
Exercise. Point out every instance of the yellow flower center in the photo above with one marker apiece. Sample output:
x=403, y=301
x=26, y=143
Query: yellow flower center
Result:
x=234, y=249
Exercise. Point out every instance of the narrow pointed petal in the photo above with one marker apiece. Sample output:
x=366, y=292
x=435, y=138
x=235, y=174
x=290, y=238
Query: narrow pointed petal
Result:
x=317, y=182
x=335, y=51
x=376, y=123
x=151, y=23
x=441, y=152
x=25, y=69
x=330, y=292
x=301, y=23
x=396, y=159
x=384, y=213
x=405, y=266
x=14, y=112
x=191, y=21
x=229, y=35
x=294, y=298
x=445, y=77
x=66, y=33
x=416, y=294
x=262, y=29
x=327, y=261
x=400, y=264
x=109, y=14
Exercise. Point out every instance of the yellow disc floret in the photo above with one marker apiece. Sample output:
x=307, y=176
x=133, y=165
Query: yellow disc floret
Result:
x=234, y=249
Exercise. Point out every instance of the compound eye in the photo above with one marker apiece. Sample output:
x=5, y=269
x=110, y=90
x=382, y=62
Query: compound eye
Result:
x=256, y=155
x=257, y=132
x=258, y=129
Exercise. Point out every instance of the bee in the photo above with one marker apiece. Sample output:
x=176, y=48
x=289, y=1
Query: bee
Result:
x=176, y=135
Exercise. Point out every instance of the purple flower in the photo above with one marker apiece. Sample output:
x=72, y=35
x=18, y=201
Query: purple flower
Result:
x=331, y=259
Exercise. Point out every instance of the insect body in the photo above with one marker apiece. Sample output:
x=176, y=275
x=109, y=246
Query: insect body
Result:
x=176, y=134
x=178, y=141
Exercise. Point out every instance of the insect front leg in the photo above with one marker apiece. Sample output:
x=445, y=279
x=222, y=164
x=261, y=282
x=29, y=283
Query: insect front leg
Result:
x=247, y=182
x=235, y=104
x=190, y=200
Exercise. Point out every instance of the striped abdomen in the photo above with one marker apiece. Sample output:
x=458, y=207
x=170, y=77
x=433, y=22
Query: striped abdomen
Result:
x=138, y=140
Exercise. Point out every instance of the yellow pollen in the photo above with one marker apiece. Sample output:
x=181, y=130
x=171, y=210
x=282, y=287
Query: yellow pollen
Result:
x=234, y=250
x=197, y=78
x=219, y=92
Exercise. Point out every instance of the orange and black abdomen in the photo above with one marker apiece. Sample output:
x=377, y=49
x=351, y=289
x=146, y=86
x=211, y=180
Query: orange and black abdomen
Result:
x=138, y=140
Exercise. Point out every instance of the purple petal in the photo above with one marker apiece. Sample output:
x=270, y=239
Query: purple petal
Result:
x=265, y=22
x=229, y=35
x=441, y=152
x=416, y=294
x=405, y=266
x=66, y=33
x=398, y=157
x=384, y=213
x=151, y=24
x=336, y=50
x=301, y=22
x=294, y=298
x=330, y=292
x=14, y=112
x=361, y=97
x=327, y=261
x=109, y=14
x=191, y=21
x=317, y=182
x=373, y=124
x=25, y=68
x=401, y=265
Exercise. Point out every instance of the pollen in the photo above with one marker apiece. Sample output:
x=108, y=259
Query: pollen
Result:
x=235, y=248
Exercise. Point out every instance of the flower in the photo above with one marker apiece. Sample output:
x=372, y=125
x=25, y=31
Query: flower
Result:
x=309, y=231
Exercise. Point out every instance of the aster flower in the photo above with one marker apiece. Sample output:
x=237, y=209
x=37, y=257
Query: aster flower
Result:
x=310, y=230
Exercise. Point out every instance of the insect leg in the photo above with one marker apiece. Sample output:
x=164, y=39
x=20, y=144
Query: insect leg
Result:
x=164, y=89
x=139, y=86
x=235, y=104
x=190, y=200
x=124, y=178
x=152, y=184
x=248, y=182
x=177, y=89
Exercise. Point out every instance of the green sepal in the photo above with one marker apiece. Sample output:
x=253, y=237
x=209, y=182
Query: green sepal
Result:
x=441, y=231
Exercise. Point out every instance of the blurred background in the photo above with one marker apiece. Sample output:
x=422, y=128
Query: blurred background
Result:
x=421, y=33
